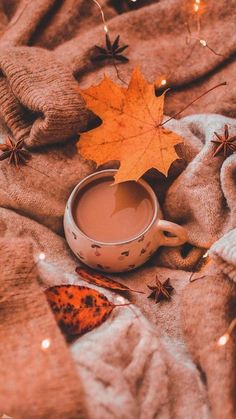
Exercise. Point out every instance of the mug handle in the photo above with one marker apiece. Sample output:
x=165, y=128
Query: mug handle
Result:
x=180, y=233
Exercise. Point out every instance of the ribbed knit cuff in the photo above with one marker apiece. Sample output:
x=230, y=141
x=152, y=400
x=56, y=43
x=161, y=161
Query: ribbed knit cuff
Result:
x=39, y=98
x=37, y=380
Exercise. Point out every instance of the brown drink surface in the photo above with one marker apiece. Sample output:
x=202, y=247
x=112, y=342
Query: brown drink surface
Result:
x=112, y=213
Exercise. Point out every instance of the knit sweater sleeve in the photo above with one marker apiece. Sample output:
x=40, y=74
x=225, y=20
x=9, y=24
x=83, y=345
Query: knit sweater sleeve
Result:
x=39, y=98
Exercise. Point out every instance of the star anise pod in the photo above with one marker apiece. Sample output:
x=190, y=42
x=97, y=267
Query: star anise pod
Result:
x=161, y=291
x=112, y=51
x=15, y=152
x=225, y=143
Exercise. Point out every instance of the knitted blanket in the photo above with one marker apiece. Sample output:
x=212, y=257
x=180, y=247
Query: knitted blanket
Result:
x=146, y=360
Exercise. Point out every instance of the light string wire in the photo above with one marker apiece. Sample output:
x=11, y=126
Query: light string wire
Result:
x=205, y=260
x=197, y=7
x=224, y=339
x=221, y=341
x=106, y=30
x=105, y=27
x=162, y=81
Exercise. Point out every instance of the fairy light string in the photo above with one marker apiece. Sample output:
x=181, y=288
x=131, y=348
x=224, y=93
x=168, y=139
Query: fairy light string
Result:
x=198, y=7
x=105, y=26
x=224, y=339
x=204, y=260
x=106, y=30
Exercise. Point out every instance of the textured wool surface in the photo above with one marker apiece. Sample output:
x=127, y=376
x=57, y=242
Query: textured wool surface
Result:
x=203, y=197
x=224, y=254
x=32, y=377
x=218, y=366
x=69, y=30
x=136, y=363
x=146, y=360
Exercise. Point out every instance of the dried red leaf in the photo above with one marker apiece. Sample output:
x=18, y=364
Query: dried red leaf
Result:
x=100, y=280
x=78, y=309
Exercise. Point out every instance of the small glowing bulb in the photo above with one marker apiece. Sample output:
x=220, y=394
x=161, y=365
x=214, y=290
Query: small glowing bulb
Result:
x=106, y=28
x=41, y=256
x=196, y=7
x=198, y=1
x=203, y=42
x=163, y=82
x=46, y=343
x=223, y=339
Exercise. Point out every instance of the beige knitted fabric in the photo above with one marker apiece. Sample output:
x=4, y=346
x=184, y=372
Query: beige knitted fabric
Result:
x=224, y=254
x=42, y=188
x=203, y=197
x=136, y=361
x=48, y=92
x=35, y=382
x=131, y=366
x=202, y=303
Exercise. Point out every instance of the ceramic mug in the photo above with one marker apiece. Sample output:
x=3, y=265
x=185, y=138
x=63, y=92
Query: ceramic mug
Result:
x=124, y=255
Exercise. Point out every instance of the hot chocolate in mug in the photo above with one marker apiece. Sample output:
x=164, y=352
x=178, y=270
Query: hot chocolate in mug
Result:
x=116, y=227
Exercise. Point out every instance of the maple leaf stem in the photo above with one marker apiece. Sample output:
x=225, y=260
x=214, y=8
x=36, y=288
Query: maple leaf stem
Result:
x=193, y=101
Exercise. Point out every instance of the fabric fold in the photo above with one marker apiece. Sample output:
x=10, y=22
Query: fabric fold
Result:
x=32, y=375
x=224, y=254
x=39, y=103
x=208, y=306
x=18, y=33
x=203, y=197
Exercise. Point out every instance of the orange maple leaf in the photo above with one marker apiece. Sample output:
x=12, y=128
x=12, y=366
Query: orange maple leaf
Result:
x=131, y=131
